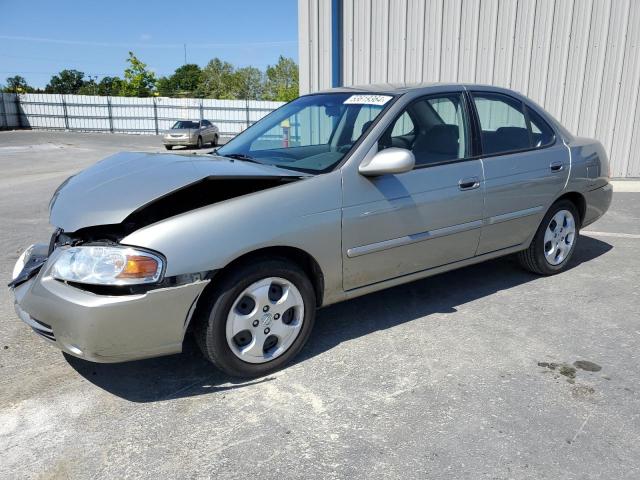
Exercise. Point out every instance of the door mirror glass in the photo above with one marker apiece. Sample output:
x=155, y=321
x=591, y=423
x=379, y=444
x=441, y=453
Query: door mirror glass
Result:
x=388, y=161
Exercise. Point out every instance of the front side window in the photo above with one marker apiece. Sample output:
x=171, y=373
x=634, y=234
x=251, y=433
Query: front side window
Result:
x=311, y=134
x=435, y=129
x=503, y=124
x=403, y=126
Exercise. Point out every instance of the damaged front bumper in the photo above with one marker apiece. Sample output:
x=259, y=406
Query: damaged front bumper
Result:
x=101, y=328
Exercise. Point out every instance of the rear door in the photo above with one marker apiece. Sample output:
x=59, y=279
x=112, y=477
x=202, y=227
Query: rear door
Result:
x=395, y=225
x=525, y=168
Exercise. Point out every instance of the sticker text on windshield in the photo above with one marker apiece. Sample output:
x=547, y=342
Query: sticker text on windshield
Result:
x=367, y=100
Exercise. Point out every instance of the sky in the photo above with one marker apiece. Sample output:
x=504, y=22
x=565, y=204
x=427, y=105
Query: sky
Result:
x=40, y=38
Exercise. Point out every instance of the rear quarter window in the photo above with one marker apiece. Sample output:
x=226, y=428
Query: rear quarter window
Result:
x=541, y=133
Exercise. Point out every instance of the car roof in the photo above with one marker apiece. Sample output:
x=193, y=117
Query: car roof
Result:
x=401, y=88
x=427, y=88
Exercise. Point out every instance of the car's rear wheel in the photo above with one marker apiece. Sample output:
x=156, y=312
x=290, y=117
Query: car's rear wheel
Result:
x=257, y=319
x=554, y=241
x=169, y=147
x=199, y=143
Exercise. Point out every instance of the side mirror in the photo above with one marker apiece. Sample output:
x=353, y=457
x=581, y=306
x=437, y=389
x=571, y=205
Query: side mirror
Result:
x=390, y=160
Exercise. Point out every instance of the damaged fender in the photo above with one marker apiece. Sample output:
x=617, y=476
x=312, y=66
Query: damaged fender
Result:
x=211, y=237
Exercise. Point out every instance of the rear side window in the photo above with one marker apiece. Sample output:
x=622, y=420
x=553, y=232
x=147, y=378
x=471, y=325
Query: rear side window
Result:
x=541, y=132
x=502, y=123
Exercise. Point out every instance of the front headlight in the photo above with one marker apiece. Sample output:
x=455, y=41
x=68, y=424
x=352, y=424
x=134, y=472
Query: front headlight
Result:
x=107, y=265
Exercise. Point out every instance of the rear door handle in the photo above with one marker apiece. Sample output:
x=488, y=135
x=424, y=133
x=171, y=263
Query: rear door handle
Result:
x=556, y=166
x=469, y=183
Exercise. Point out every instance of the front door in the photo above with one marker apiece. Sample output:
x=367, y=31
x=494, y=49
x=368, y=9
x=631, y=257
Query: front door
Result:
x=395, y=225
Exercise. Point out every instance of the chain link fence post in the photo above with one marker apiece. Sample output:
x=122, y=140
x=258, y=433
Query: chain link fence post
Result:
x=155, y=114
x=18, y=108
x=110, y=113
x=201, y=111
x=4, y=111
x=66, y=115
x=247, y=112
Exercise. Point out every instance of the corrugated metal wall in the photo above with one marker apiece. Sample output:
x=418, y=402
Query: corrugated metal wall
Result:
x=580, y=59
x=126, y=114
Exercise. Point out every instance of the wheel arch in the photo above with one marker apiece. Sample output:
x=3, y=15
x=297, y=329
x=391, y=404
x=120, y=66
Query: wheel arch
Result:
x=296, y=255
x=301, y=258
x=578, y=200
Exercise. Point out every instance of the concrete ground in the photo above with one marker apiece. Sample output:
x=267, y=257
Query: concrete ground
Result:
x=469, y=374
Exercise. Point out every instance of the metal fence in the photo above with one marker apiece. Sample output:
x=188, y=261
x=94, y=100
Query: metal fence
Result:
x=126, y=114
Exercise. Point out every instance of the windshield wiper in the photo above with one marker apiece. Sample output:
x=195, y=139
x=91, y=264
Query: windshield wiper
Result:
x=243, y=157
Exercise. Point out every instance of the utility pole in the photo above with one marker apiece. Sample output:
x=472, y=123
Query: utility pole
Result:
x=185, y=53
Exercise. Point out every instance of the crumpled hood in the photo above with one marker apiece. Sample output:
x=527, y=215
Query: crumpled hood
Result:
x=110, y=190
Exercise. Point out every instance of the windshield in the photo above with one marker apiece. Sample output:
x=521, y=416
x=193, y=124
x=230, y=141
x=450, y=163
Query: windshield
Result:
x=185, y=124
x=310, y=134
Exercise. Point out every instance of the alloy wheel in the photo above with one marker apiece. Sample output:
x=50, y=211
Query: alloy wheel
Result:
x=265, y=320
x=559, y=237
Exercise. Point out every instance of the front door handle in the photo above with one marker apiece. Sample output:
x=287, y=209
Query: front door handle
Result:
x=556, y=166
x=469, y=183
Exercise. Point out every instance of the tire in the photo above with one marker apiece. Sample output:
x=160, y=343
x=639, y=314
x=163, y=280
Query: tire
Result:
x=558, y=245
x=169, y=147
x=199, y=143
x=215, y=322
x=214, y=142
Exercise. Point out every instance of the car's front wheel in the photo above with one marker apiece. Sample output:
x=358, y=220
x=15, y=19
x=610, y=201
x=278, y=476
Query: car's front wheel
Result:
x=257, y=318
x=554, y=241
x=169, y=147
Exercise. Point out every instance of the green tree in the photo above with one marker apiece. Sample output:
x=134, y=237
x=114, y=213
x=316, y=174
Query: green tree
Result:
x=110, y=86
x=216, y=80
x=89, y=87
x=281, y=81
x=66, y=82
x=17, y=84
x=165, y=87
x=138, y=81
x=247, y=83
x=183, y=82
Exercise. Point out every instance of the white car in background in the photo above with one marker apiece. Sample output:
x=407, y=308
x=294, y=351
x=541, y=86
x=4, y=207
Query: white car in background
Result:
x=191, y=133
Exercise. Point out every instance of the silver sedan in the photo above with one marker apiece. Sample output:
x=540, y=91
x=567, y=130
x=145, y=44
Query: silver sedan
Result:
x=191, y=134
x=332, y=196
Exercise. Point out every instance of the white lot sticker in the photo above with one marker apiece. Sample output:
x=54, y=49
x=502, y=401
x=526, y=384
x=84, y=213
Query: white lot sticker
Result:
x=367, y=99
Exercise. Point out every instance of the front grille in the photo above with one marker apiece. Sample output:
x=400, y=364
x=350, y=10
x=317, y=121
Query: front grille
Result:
x=42, y=329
